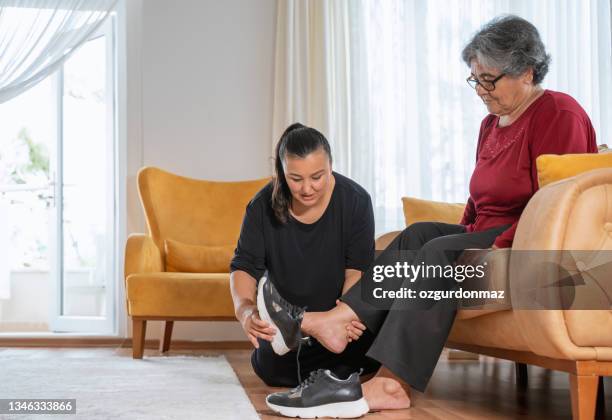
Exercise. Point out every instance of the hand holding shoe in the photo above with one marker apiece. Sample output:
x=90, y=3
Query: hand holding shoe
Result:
x=254, y=327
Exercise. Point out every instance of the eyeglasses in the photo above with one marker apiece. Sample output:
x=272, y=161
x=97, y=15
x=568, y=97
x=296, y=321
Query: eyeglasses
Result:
x=488, y=85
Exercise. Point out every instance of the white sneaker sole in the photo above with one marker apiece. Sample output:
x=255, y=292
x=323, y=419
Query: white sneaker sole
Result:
x=341, y=410
x=278, y=343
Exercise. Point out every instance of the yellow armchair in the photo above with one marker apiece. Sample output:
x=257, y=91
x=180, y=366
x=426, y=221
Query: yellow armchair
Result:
x=179, y=270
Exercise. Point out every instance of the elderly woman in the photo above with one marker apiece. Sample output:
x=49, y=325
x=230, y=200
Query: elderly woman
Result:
x=508, y=62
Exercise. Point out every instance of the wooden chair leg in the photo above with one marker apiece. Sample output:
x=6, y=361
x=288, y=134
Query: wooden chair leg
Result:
x=583, y=391
x=521, y=375
x=139, y=331
x=164, y=341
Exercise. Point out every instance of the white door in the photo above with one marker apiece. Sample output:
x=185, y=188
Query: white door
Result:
x=84, y=190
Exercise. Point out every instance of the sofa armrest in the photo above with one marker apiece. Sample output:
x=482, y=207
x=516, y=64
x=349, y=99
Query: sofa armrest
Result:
x=556, y=216
x=142, y=255
x=575, y=215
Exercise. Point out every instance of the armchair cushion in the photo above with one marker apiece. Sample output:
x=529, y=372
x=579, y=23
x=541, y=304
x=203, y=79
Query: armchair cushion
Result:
x=185, y=258
x=179, y=295
x=553, y=168
x=417, y=210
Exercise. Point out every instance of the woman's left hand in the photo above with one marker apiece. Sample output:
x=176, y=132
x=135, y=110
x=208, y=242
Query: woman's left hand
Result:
x=354, y=330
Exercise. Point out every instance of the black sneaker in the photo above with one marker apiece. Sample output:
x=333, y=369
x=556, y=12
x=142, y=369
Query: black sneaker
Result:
x=282, y=315
x=321, y=395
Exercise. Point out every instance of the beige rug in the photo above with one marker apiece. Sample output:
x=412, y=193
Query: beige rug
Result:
x=113, y=387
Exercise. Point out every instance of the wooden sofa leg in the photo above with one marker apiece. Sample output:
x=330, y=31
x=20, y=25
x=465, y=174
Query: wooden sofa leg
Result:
x=164, y=342
x=583, y=391
x=600, y=411
x=139, y=331
x=521, y=375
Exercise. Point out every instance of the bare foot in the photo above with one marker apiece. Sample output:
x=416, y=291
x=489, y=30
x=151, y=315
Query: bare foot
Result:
x=329, y=328
x=386, y=391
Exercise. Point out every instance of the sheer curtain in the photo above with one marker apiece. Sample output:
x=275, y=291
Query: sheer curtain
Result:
x=410, y=123
x=312, y=74
x=36, y=36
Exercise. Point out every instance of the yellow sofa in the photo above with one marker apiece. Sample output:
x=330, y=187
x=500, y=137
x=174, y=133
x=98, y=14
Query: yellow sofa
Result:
x=569, y=214
x=179, y=270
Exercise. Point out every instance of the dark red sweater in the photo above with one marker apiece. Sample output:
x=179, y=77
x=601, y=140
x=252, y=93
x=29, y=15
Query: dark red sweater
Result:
x=505, y=177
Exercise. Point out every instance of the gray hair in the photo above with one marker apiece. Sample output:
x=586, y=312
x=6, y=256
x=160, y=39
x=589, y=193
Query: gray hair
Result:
x=511, y=44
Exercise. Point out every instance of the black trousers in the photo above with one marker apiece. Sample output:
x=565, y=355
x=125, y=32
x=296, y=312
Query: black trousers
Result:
x=408, y=338
x=277, y=370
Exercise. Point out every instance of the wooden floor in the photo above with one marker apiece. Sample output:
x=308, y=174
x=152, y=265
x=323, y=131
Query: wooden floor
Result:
x=483, y=389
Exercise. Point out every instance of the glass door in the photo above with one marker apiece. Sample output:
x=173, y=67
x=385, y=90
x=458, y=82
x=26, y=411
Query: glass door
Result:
x=84, y=189
x=57, y=190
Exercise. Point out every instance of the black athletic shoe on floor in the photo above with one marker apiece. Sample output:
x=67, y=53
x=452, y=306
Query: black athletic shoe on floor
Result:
x=284, y=316
x=321, y=395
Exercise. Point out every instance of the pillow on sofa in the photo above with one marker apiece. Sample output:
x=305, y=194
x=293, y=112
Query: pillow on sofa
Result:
x=553, y=168
x=417, y=210
x=184, y=258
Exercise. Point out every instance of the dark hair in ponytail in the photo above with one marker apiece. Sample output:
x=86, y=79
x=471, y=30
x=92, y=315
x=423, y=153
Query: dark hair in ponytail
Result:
x=297, y=140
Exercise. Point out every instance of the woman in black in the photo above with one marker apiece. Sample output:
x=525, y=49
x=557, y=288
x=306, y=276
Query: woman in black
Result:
x=311, y=232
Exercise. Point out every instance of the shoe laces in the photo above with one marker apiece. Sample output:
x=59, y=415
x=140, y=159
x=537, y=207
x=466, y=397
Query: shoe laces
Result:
x=294, y=311
x=307, y=341
x=314, y=375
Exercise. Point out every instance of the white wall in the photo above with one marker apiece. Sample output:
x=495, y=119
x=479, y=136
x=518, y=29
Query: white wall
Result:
x=208, y=69
x=199, y=83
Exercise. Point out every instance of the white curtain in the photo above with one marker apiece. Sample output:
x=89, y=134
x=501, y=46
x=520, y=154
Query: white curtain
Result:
x=312, y=70
x=36, y=36
x=409, y=122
